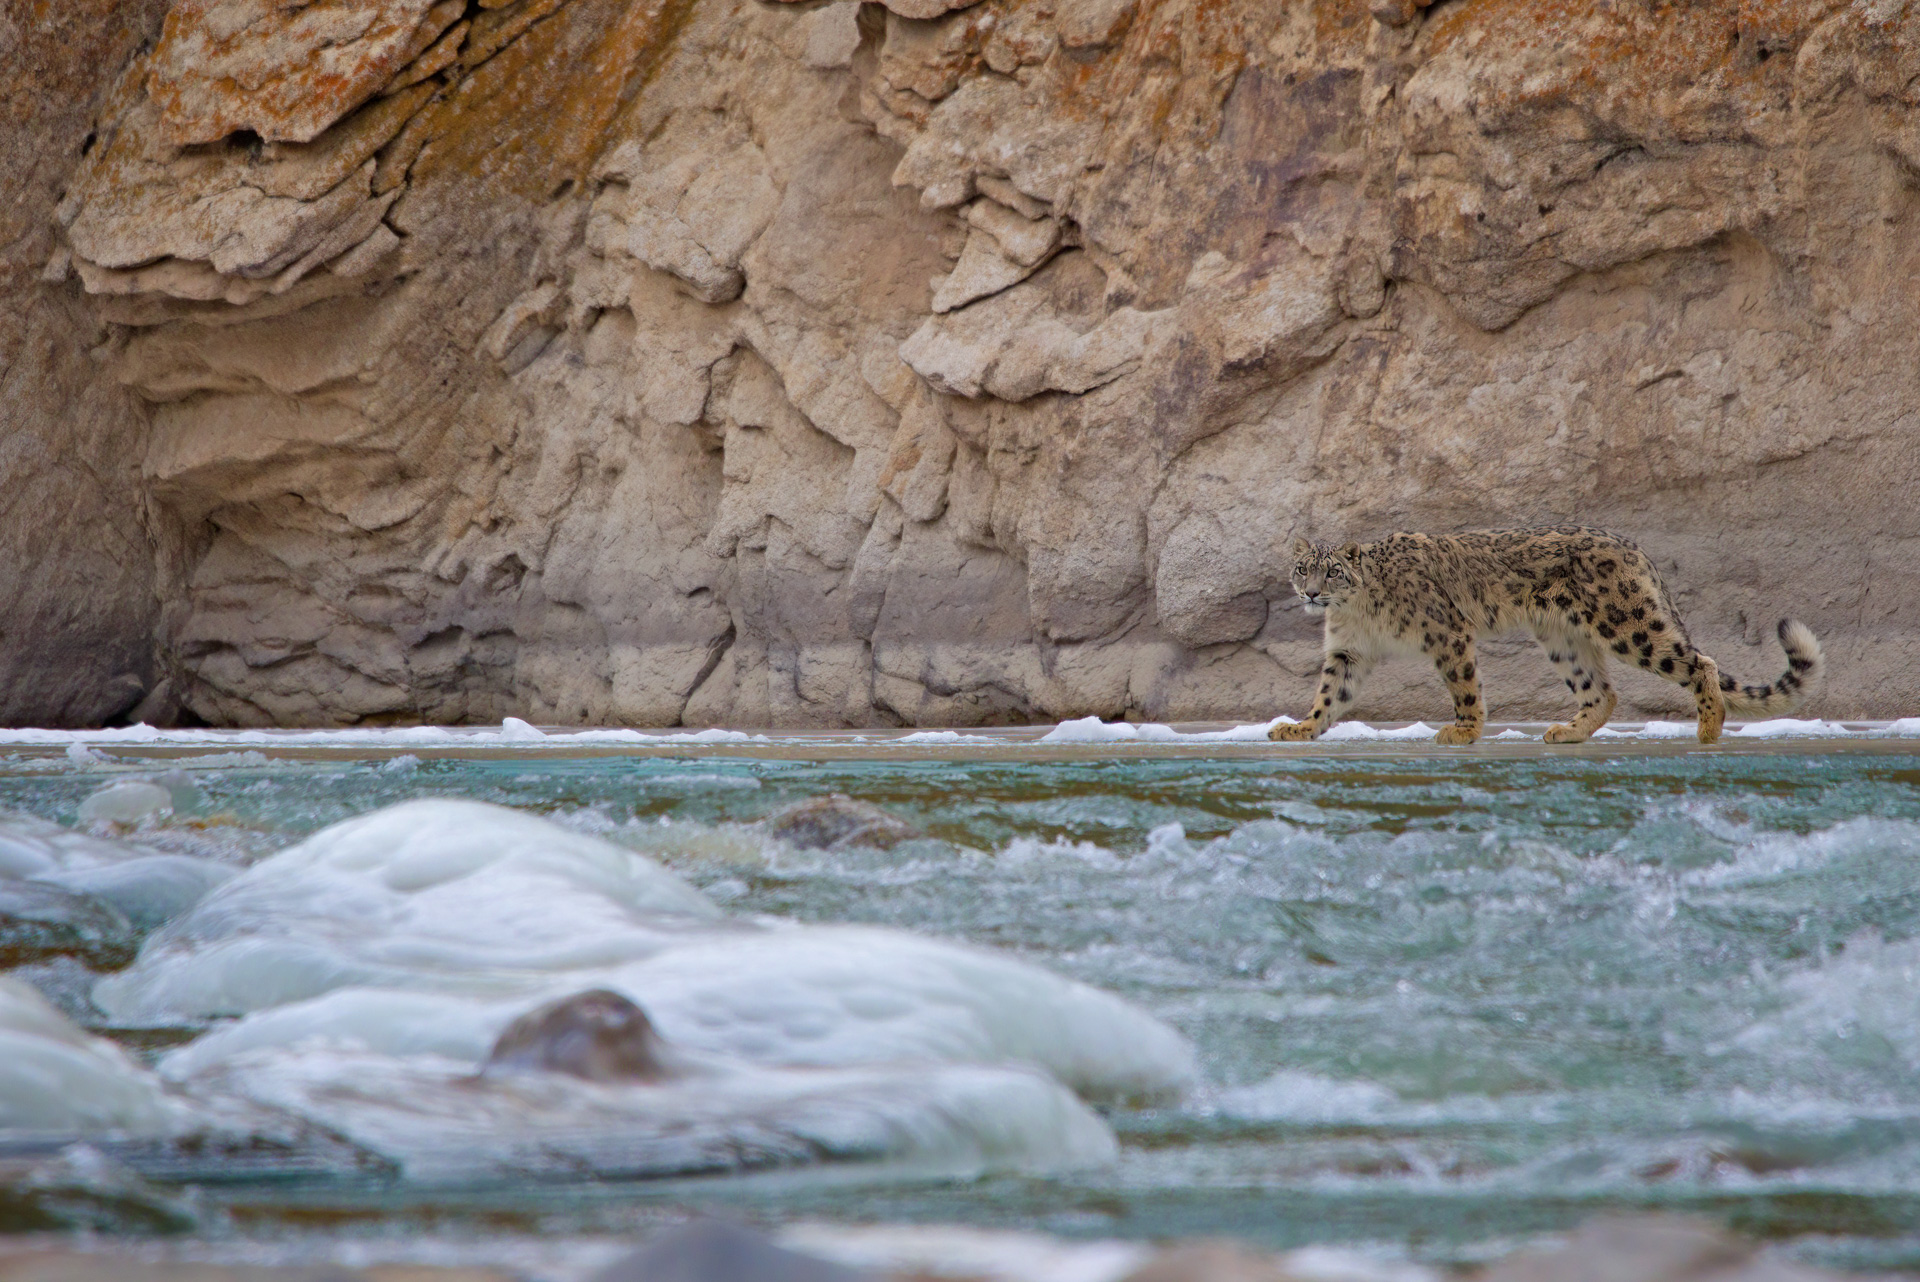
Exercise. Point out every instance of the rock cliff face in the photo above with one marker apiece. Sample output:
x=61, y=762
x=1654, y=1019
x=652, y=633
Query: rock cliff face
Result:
x=694, y=361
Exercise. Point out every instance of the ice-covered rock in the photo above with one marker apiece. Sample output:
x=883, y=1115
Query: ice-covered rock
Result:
x=150, y=889
x=441, y=1123
x=841, y=995
x=382, y=1020
x=123, y=878
x=57, y=1079
x=438, y=894
x=415, y=985
x=1359, y=731
x=1094, y=730
x=548, y=1101
x=821, y=996
x=441, y=901
x=126, y=802
x=83, y=1188
x=31, y=847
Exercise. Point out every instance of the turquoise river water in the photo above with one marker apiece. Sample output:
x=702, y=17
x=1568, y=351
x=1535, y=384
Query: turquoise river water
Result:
x=1440, y=1002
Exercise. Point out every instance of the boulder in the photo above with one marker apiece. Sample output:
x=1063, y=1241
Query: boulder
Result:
x=596, y=1035
x=837, y=822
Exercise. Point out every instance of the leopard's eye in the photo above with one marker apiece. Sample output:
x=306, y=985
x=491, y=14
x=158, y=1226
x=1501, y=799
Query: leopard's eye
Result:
x=1336, y=573
x=1301, y=569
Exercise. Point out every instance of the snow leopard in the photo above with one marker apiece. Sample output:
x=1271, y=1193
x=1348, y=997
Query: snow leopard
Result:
x=1586, y=595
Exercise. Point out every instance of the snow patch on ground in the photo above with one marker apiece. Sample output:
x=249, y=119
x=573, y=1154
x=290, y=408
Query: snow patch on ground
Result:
x=80, y=744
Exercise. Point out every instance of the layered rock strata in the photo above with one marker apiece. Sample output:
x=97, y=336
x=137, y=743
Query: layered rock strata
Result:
x=694, y=361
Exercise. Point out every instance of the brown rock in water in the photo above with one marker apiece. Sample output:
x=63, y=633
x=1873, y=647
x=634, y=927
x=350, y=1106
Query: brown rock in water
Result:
x=41, y=922
x=714, y=1251
x=597, y=1035
x=836, y=822
x=1210, y=1262
x=1650, y=1248
x=702, y=361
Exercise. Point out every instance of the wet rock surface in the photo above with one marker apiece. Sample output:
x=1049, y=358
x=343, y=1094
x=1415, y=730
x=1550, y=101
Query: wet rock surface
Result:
x=39, y=922
x=81, y=1188
x=598, y=1036
x=713, y=1251
x=701, y=361
x=838, y=822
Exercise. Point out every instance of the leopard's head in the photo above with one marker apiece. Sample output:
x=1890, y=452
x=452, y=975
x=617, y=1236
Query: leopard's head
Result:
x=1325, y=575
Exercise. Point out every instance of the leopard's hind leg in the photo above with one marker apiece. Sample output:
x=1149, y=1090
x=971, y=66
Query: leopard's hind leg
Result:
x=1581, y=661
x=1653, y=637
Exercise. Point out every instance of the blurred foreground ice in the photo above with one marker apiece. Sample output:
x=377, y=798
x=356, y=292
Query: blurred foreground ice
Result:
x=373, y=965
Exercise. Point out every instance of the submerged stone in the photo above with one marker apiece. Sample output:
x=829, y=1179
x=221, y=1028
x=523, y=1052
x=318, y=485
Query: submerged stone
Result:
x=712, y=1251
x=836, y=822
x=80, y=1188
x=1630, y=1247
x=597, y=1035
x=40, y=921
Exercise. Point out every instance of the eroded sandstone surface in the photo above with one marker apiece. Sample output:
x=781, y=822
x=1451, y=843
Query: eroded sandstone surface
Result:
x=726, y=361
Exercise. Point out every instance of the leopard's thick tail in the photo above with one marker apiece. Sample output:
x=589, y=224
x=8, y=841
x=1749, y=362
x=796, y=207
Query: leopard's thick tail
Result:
x=1806, y=665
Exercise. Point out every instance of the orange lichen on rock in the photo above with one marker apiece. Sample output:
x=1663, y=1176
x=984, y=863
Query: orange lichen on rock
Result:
x=1682, y=71
x=284, y=72
x=535, y=115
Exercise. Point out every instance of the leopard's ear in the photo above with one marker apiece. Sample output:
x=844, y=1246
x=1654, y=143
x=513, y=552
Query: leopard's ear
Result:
x=1300, y=549
x=1350, y=553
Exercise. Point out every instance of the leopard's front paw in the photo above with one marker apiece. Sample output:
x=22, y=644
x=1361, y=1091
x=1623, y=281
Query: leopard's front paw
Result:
x=1457, y=735
x=1709, y=731
x=1297, y=733
x=1565, y=734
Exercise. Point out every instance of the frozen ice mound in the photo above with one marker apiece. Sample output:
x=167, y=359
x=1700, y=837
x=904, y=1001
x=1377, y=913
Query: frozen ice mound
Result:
x=56, y=1079
x=1094, y=730
x=126, y=802
x=1788, y=728
x=80, y=744
x=1651, y=730
x=458, y=899
x=1361, y=731
x=375, y=964
x=836, y=995
x=814, y=996
x=150, y=889
x=440, y=1123
x=435, y=894
x=35, y=847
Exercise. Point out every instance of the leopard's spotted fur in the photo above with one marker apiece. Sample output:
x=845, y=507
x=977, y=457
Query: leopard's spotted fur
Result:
x=1584, y=593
